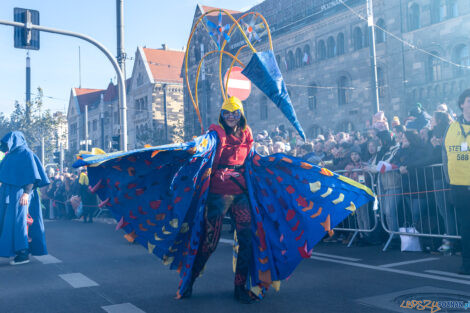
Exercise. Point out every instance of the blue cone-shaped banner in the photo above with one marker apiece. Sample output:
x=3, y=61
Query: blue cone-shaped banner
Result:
x=264, y=72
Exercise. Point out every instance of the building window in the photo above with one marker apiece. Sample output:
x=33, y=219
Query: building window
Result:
x=379, y=31
x=263, y=110
x=95, y=125
x=306, y=60
x=366, y=36
x=461, y=57
x=343, y=85
x=340, y=44
x=312, y=97
x=141, y=104
x=290, y=61
x=321, y=50
x=381, y=82
x=434, y=68
x=437, y=10
x=452, y=8
x=345, y=126
x=413, y=17
x=357, y=38
x=140, y=79
x=298, y=57
x=330, y=47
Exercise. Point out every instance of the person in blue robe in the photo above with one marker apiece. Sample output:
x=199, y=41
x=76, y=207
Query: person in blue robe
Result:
x=21, y=223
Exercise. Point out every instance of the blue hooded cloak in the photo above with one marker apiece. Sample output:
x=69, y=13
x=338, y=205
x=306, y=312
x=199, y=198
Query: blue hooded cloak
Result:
x=158, y=195
x=20, y=167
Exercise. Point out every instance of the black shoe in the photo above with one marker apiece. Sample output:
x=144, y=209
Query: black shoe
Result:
x=243, y=296
x=21, y=258
x=464, y=270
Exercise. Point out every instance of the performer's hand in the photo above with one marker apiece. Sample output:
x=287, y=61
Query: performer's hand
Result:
x=24, y=199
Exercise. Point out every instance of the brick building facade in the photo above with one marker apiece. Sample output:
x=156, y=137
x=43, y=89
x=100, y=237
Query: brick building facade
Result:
x=154, y=88
x=322, y=47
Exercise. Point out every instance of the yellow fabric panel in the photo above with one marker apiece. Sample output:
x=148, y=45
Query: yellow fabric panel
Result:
x=83, y=180
x=458, y=162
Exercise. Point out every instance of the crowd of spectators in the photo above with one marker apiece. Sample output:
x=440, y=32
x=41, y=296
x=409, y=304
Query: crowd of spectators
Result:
x=395, y=156
x=69, y=197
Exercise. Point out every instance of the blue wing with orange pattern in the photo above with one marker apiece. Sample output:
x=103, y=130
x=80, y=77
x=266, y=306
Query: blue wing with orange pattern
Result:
x=158, y=196
x=294, y=204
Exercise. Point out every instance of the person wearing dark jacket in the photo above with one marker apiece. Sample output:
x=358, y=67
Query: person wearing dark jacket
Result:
x=412, y=158
x=457, y=169
x=89, y=199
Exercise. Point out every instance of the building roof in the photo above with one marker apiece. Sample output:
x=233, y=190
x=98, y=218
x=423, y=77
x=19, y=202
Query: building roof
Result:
x=87, y=96
x=206, y=8
x=165, y=65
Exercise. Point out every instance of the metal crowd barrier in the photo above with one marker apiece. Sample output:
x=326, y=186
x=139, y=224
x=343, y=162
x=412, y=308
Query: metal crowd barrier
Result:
x=416, y=203
x=365, y=218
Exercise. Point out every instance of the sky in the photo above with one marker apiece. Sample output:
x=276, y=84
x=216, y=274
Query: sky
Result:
x=55, y=68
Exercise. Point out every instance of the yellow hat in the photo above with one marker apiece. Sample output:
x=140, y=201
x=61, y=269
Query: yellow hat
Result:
x=232, y=104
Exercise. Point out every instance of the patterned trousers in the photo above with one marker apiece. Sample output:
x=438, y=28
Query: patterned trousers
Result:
x=217, y=207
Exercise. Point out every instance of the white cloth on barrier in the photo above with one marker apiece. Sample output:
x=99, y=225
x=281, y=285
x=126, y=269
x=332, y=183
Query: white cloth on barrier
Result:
x=410, y=243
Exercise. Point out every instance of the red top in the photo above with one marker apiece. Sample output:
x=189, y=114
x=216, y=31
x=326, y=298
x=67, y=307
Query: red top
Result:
x=231, y=150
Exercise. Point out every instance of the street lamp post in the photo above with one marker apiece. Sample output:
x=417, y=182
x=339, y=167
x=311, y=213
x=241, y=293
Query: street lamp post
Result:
x=119, y=73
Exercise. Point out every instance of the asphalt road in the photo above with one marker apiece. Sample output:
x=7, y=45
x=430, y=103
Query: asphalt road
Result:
x=92, y=268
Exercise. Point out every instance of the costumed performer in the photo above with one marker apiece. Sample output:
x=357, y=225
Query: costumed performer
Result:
x=21, y=223
x=171, y=199
x=228, y=191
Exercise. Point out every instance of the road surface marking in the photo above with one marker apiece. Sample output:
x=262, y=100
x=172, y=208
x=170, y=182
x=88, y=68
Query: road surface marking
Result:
x=78, y=280
x=409, y=262
x=230, y=241
x=47, y=259
x=392, y=270
x=448, y=274
x=122, y=308
x=335, y=256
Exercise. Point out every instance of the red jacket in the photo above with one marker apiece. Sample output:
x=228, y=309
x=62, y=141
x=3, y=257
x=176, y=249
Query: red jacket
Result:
x=231, y=150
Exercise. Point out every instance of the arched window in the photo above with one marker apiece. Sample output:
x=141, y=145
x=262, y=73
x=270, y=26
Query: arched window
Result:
x=379, y=33
x=330, y=47
x=321, y=50
x=413, y=17
x=461, y=57
x=437, y=93
x=437, y=10
x=452, y=8
x=434, y=68
x=366, y=36
x=340, y=44
x=314, y=131
x=345, y=126
x=298, y=57
x=263, y=113
x=307, y=58
x=312, y=97
x=381, y=82
x=290, y=61
x=343, y=85
x=357, y=38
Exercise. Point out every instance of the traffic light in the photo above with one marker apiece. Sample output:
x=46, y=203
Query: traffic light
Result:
x=116, y=142
x=56, y=157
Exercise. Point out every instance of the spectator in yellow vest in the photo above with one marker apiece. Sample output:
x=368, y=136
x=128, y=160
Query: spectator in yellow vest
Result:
x=457, y=167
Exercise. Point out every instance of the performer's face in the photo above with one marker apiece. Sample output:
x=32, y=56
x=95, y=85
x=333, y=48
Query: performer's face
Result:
x=231, y=118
